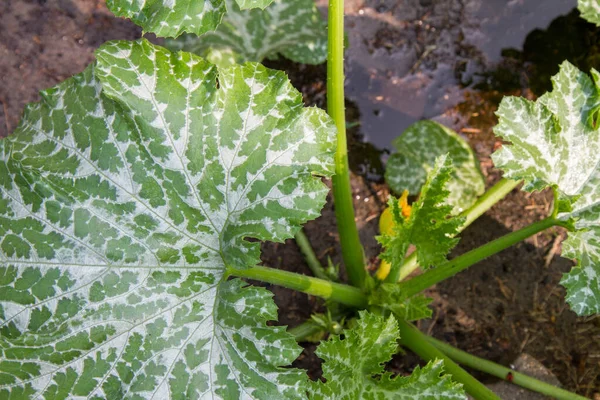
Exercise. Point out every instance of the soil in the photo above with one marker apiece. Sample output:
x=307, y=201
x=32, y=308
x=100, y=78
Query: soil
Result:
x=507, y=305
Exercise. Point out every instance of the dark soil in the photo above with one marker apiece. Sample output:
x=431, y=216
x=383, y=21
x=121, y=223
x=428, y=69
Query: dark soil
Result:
x=43, y=42
x=506, y=305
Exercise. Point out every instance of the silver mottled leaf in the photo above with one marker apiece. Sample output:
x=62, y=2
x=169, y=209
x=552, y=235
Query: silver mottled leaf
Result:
x=126, y=197
x=417, y=149
x=590, y=10
x=295, y=29
x=353, y=367
x=555, y=142
x=171, y=18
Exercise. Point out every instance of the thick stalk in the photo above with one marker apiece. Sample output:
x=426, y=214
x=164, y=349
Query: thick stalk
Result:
x=454, y=266
x=345, y=294
x=412, y=338
x=484, y=203
x=352, y=250
x=310, y=256
x=503, y=372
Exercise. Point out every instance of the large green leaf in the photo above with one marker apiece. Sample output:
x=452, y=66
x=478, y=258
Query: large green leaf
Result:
x=126, y=196
x=417, y=149
x=429, y=227
x=171, y=18
x=555, y=142
x=354, y=370
x=292, y=28
x=590, y=10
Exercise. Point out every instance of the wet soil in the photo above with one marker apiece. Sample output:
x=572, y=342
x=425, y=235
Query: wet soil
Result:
x=506, y=305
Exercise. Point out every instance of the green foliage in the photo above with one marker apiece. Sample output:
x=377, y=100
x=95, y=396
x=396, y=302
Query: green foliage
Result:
x=590, y=10
x=292, y=28
x=171, y=18
x=126, y=197
x=390, y=297
x=417, y=149
x=430, y=227
x=555, y=142
x=353, y=367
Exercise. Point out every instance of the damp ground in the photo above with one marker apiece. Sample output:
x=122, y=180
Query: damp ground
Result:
x=407, y=60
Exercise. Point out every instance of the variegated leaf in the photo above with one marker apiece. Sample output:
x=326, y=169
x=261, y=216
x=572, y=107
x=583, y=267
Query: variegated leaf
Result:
x=354, y=370
x=171, y=18
x=417, y=149
x=126, y=198
x=555, y=142
x=590, y=10
x=292, y=28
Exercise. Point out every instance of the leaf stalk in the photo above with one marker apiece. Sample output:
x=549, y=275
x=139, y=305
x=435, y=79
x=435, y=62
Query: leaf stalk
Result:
x=460, y=263
x=503, y=372
x=345, y=294
x=352, y=251
x=354, y=297
x=418, y=342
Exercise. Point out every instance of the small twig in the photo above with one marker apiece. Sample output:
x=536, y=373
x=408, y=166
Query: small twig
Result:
x=554, y=249
x=506, y=292
x=433, y=322
x=326, y=251
x=371, y=217
x=470, y=130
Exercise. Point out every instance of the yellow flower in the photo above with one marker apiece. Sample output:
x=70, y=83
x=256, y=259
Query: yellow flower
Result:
x=386, y=227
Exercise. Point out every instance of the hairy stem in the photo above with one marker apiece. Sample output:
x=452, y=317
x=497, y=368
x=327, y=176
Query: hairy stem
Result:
x=503, y=372
x=460, y=263
x=484, y=203
x=352, y=251
x=310, y=256
x=418, y=342
x=345, y=294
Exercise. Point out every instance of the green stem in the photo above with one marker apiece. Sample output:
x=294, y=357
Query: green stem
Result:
x=454, y=266
x=345, y=294
x=484, y=203
x=488, y=200
x=305, y=330
x=418, y=342
x=310, y=256
x=503, y=372
x=352, y=251
x=555, y=205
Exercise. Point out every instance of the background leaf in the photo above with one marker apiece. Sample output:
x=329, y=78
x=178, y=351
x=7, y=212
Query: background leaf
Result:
x=417, y=149
x=590, y=10
x=171, y=18
x=295, y=29
x=353, y=367
x=125, y=196
x=555, y=142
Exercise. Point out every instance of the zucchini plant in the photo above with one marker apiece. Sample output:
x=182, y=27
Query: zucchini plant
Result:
x=129, y=194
